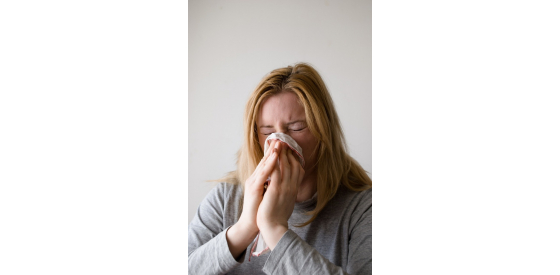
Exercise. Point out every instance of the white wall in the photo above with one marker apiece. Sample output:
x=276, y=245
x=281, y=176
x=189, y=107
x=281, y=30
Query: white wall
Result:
x=233, y=44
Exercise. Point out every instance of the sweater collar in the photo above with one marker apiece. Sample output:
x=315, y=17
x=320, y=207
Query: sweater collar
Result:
x=306, y=205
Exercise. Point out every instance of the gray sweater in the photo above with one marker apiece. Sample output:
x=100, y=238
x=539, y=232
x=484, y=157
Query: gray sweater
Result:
x=338, y=241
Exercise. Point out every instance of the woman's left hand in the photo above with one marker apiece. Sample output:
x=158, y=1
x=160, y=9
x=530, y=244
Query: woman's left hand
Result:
x=280, y=197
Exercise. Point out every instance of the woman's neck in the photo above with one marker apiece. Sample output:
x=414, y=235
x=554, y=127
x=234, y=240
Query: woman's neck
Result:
x=308, y=187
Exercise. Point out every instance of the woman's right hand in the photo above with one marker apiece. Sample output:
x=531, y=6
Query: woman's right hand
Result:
x=241, y=234
x=254, y=187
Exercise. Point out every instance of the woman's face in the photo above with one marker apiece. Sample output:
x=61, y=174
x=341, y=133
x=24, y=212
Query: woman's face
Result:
x=284, y=113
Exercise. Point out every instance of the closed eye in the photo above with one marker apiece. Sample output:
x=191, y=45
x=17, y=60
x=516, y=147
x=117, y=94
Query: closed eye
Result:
x=297, y=130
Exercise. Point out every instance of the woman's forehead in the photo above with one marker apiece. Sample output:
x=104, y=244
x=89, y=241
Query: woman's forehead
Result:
x=284, y=106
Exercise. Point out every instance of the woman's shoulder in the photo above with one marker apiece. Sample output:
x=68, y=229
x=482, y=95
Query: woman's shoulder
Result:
x=362, y=197
x=225, y=191
x=221, y=203
x=351, y=202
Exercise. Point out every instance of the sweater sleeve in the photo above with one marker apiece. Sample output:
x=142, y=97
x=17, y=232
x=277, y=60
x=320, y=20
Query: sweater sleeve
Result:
x=208, y=249
x=292, y=255
x=359, y=248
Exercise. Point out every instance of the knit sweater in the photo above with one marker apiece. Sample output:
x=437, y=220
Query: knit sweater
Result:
x=338, y=241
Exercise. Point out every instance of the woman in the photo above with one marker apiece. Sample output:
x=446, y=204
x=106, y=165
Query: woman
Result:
x=315, y=219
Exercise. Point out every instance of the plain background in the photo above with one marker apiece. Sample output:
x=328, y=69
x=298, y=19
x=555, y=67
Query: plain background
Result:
x=93, y=137
x=233, y=44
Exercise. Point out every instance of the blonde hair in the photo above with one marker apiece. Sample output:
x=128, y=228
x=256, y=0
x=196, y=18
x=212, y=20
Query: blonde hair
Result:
x=334, y=165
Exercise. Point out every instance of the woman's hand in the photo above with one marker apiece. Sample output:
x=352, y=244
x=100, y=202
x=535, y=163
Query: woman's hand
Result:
x=241, y=234
x=278, y=202
x=254, y=186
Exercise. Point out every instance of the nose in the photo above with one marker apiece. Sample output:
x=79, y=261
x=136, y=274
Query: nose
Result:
x=280, y=130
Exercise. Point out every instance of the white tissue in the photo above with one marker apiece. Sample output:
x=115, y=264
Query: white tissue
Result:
x=288, y=140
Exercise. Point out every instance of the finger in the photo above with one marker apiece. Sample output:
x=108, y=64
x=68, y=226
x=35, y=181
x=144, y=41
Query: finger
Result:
x=294, y=169
x=297, y=167
x=270, y=148
x=288, y=152
x=274, y=145
x=266, y=169
x=267, y=154
x=285, y=165
x=281, y=152
x=275, y=179
x=295, y=155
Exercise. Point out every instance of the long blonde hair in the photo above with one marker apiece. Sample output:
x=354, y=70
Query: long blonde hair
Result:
x=334, y=165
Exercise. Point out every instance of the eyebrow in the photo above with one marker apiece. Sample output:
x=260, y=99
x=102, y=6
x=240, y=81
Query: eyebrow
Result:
x=289, y=123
